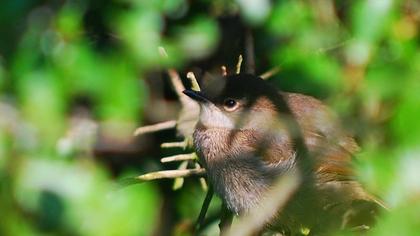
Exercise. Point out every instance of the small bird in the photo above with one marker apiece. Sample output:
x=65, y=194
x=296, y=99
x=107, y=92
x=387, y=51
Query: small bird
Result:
x=245, y=142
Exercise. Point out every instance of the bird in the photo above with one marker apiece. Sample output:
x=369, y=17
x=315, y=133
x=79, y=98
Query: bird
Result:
x=249, y=133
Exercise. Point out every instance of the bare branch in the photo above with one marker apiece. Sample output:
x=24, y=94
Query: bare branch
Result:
x=202, y=180
x=180, y=180
x=187, y=142
x=170, y=174
x=156, y=127
x=182, y=144
x=180, y=157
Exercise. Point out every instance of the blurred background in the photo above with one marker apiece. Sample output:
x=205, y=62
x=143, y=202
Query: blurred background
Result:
x=77, y=77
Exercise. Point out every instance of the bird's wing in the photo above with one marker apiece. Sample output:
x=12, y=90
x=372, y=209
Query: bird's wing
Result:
x=331, y=147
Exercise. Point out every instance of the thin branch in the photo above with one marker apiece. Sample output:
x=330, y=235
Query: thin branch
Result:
x=180, y=157
x=204, y=208
x=156, y=127
x=182, y=144
x=268, y=74
x=202, y=180
x=170, y=174
x=183, y=126
x=180, y=180
x=239, y=64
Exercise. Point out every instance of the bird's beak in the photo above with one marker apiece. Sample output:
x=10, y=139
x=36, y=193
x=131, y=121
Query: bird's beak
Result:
x=196, y=95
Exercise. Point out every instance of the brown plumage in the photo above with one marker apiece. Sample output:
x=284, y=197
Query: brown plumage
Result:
x=245, y=139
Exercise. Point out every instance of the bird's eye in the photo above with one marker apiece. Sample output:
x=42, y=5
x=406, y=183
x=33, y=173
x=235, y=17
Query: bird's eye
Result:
x=230, y=104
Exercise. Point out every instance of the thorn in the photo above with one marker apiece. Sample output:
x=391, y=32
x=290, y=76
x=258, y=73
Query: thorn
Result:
x=194, y=83
x=238, y=65
x=268, y=74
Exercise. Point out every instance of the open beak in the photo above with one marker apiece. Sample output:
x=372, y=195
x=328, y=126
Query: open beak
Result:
x=196, y=95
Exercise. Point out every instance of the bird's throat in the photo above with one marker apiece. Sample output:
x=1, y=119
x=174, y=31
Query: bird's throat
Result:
x=238, y=176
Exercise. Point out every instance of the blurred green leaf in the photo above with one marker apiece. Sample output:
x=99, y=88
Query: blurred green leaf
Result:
x=87, y=203
x=199, y=38
x=255, y=11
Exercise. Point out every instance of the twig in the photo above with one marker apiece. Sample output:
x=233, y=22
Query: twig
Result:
x=180, y=180
x=188, y=115
x=170, y=174
x=194, y=83
x=268, y=74
x=238, y=65
x=202, y=180
x=180, y=157
x=156, y=127
x=182, y=144
x=204, y=208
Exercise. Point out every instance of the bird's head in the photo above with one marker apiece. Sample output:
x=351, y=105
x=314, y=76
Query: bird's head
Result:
x=240, y=101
